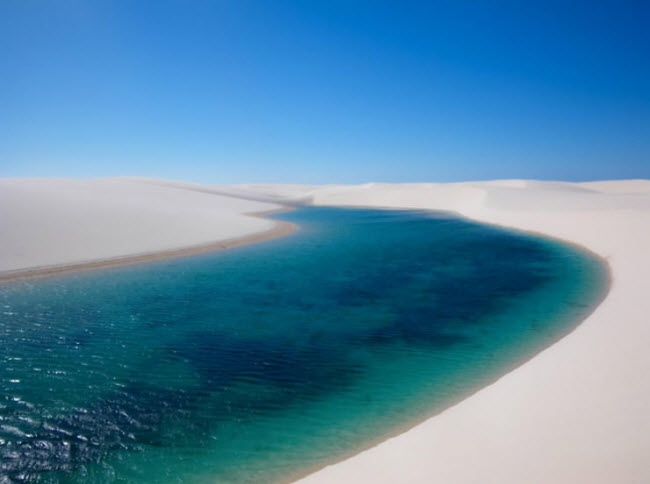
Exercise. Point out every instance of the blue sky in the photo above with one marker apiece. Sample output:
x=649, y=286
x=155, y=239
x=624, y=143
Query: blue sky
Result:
x=325, y=92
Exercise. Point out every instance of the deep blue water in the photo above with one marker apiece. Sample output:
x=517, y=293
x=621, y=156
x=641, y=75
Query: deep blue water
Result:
x=258, y=363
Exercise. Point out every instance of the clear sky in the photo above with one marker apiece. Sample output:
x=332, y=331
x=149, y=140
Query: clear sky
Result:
x=325, y=91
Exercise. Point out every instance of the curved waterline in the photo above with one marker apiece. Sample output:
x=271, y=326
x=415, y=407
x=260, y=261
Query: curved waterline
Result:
x=280, y=229
x=258, y=363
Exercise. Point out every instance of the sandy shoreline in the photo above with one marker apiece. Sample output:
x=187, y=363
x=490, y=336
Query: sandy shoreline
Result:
x=53, y=226
x=280, y=229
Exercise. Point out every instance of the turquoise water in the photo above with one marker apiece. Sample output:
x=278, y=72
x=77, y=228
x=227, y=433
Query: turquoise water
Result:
x=259, y=363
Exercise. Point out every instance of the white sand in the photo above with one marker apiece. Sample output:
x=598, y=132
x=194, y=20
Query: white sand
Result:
x=579, y=412
x=50, y=222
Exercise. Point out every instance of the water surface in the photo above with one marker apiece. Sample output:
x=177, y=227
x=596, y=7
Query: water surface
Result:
x=258, y=363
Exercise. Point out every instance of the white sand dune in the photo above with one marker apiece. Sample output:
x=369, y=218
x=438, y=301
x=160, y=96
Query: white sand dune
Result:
x=579, y=412
x=50, y=222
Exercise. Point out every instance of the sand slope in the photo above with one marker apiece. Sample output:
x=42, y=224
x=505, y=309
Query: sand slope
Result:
x=48, y=222
x=579, y=412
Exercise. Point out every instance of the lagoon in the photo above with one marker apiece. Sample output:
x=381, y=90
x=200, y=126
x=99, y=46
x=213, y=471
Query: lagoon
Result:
x=260, y=363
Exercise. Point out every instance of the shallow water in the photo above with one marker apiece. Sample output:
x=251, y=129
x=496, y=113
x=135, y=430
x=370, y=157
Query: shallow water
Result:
x=258, y=363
